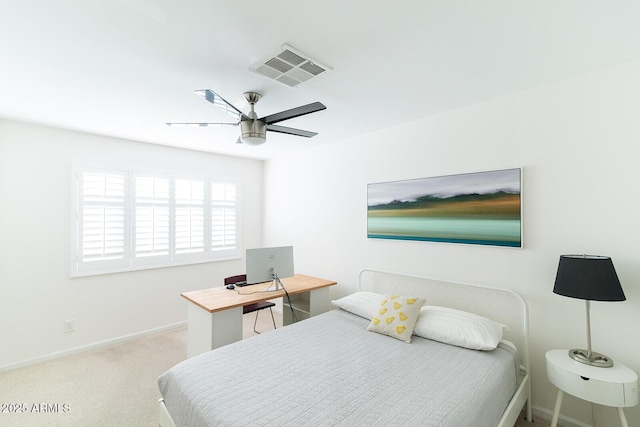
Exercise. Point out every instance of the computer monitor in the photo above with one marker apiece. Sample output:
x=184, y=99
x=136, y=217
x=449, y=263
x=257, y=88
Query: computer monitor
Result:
x=268, y=264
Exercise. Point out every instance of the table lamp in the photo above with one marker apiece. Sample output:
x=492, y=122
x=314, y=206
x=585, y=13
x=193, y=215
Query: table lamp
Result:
x=591, y=278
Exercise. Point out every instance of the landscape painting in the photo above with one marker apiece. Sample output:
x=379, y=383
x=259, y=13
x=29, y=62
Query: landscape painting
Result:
x=482, y=208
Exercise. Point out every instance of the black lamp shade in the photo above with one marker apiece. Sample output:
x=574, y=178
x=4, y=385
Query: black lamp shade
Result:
x=588, y=277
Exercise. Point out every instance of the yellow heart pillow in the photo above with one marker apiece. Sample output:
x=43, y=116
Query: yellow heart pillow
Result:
x=397, y=316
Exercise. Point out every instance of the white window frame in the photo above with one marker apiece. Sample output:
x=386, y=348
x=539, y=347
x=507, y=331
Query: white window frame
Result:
x=130, y=261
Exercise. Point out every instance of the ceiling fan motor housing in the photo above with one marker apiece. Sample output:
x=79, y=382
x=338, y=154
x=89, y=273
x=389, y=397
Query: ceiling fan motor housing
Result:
x=253, y=132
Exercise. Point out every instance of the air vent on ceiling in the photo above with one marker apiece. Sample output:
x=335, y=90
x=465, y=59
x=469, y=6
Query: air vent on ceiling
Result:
x=288, y=66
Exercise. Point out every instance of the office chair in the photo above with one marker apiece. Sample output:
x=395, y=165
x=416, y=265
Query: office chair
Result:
x=250, y=308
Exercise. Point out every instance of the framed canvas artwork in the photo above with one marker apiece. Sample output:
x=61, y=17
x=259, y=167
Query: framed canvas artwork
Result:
x=481, y=208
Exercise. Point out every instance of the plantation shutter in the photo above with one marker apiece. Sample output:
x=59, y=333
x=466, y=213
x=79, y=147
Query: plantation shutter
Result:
x=189, y=228
x=152, y=219
x=101, y=223
x=224, y=231
x=127, y=221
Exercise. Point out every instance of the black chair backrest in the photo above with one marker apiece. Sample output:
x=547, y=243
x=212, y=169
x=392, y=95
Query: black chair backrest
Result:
x=235, y=279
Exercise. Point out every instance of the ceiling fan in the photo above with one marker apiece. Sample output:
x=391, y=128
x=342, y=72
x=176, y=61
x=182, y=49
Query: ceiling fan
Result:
x=253, y=130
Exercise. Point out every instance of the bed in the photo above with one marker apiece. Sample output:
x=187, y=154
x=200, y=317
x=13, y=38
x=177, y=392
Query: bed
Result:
x=331, y=370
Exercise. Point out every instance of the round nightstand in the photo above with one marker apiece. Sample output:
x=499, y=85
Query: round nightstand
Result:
x=616, y=386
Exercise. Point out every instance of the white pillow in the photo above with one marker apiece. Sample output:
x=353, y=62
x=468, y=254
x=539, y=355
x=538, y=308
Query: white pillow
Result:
x=458, y=328
x=363, y=304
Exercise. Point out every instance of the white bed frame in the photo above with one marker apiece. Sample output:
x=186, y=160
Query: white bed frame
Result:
x=502, y=305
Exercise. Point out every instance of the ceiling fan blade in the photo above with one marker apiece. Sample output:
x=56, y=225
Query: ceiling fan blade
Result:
x=196, y=125
x=219, y=102
x=294, y=112
x=291, y=131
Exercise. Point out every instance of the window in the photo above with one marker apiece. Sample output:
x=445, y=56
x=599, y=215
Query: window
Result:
x=152, y=220
x=129, y=220
x=223, y=216
x=190, y=216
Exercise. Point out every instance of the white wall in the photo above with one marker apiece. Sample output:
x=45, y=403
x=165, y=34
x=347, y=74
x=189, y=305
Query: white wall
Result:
x=36, y=293
x=577, y=141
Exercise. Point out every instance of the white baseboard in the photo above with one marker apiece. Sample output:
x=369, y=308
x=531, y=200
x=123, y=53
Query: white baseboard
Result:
x=100, y=344
x=564, y=421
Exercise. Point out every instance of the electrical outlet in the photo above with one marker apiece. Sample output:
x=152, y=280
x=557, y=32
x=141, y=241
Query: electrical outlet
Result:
x=70, y=325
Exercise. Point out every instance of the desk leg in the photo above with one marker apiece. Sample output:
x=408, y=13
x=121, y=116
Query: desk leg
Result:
x=306, y=304
x=319, y=301
x=623, y=419
x=556, y=410
x=207, y=331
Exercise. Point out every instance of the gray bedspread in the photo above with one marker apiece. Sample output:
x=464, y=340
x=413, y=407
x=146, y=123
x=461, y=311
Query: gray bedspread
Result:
x=328, y=370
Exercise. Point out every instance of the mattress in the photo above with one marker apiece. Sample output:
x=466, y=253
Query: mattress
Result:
x=328, y=370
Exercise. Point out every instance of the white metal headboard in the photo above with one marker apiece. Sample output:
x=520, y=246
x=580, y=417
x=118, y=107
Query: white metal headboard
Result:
x=502, y=305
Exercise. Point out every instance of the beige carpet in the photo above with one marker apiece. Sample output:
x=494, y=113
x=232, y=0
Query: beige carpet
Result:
x=114, y=386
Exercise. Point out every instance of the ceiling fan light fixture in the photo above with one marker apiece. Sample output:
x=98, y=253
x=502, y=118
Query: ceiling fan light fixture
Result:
x=253, y=140
x=253, y=132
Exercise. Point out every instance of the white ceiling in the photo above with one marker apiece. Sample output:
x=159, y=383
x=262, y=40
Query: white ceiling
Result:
x=125, y=67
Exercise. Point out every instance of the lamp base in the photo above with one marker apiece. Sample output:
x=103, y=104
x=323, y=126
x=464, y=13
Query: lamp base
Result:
x=595, y=359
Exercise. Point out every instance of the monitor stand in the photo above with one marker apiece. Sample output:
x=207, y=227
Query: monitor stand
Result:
x=276, y=284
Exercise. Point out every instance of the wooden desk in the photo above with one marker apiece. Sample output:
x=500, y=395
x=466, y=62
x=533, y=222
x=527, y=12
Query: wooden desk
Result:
x=215, y=314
